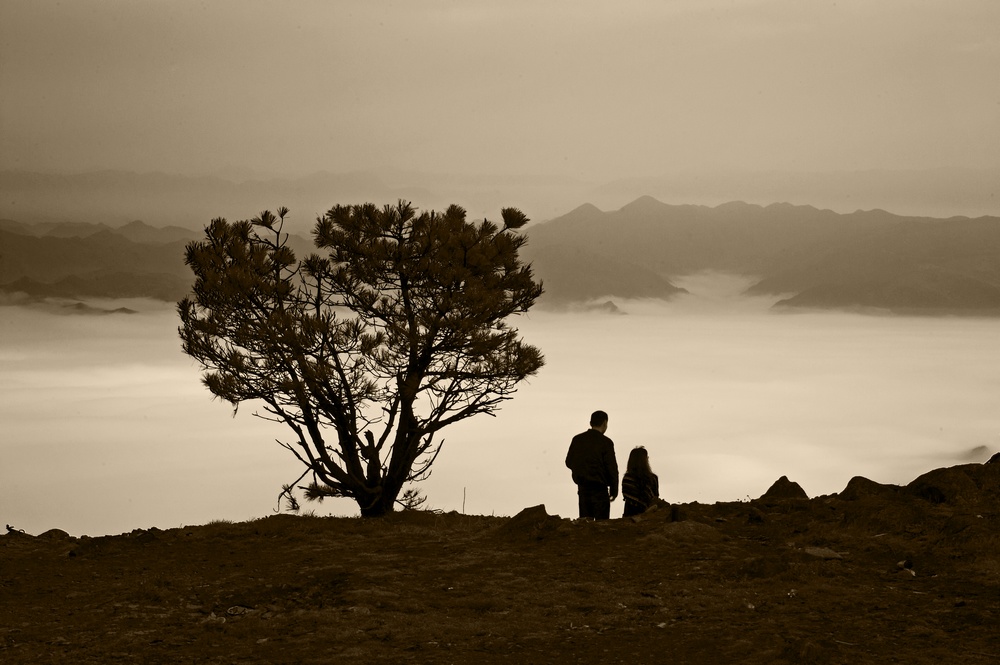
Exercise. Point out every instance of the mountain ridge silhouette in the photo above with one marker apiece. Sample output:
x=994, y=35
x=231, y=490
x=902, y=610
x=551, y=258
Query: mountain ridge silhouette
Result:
x=806, y=257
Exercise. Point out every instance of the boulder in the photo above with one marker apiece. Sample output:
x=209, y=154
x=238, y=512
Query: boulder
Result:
x=533, y=522
x=860, y=486
x=949, y=485
x=783, y=488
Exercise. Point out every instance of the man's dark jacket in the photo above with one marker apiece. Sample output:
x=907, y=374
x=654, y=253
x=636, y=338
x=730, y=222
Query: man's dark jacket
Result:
x=591, y=458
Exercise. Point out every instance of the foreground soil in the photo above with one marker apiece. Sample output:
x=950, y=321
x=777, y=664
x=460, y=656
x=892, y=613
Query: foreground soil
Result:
x=875, y=574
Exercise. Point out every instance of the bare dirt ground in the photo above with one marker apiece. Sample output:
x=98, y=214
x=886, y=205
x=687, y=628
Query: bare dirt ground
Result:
x=875, y=574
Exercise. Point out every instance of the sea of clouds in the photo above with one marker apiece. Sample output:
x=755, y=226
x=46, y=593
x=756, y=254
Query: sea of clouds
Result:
x=105, y=427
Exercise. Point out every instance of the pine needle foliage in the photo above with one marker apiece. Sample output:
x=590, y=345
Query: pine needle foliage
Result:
x=396, y=328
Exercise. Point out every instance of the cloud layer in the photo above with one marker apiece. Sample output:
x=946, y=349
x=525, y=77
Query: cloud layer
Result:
x=104, y=426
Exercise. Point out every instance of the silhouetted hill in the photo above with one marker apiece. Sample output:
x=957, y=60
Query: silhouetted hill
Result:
x=811, y=257
x=682, y=239
x=575, y=274
x=159, y=286
x=136, y=231
x=54, y=229
x=927, y=290
x=139, y=231
x=935, y=192
x=901, y=264
x=80, y=260
x=11, y=226
x=819, y=258
x=48, y=259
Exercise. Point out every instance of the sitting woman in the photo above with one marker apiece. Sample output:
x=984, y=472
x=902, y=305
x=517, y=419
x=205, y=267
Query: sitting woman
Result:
x=640, y=486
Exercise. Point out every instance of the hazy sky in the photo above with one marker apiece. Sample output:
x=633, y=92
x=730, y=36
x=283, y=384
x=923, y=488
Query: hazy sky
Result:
x=596, y=90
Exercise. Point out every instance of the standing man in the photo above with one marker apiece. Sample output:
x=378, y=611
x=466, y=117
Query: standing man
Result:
x=591, y=458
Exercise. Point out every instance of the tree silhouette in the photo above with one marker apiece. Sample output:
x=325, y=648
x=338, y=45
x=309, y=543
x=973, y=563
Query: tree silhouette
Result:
x=368, y=350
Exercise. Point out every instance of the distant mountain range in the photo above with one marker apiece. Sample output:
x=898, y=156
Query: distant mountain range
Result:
x=162, y=199
x=813, y=258
x=817, y=258
x=136, y=231
x=92, y=260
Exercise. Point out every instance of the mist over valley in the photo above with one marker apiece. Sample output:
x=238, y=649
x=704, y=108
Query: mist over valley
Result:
x=726, y=394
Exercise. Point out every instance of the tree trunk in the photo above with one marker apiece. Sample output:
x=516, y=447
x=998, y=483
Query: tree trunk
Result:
x=384, y=503
x=379, y=508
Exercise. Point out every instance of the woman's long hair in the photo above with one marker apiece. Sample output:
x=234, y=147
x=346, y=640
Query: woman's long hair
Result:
x=638, y=463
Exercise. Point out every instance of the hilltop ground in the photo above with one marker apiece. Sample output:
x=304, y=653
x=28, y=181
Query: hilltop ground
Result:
x=876, y=574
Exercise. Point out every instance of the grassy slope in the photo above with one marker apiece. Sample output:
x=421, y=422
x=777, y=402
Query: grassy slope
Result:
x=877, y=574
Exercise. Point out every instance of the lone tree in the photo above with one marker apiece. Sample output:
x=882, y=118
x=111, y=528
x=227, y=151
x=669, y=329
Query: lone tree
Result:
x=369, y=349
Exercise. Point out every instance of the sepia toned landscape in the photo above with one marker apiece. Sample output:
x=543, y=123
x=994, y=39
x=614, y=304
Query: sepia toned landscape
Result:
x=301, y=305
